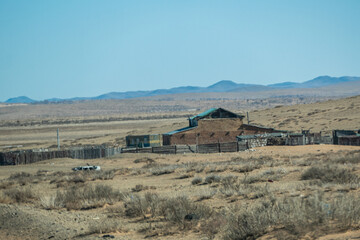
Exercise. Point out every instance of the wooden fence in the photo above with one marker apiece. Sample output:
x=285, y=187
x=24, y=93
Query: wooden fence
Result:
x=92, y=152
x=181, y=149
x=31, y=156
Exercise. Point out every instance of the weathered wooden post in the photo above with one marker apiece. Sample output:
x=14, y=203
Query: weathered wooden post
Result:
x=58, y=140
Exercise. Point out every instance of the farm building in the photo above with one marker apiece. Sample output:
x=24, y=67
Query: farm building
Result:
x=215, y=125
x=347, y=137
x=140, y=141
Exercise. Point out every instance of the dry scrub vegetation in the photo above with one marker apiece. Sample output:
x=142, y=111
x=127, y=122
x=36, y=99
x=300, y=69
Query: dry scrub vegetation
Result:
x=281, y=193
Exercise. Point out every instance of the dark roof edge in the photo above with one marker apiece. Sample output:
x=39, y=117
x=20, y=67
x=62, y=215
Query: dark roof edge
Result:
x=179, y=130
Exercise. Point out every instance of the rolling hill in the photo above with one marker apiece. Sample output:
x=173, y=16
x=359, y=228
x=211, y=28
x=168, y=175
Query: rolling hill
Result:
x=223, y=86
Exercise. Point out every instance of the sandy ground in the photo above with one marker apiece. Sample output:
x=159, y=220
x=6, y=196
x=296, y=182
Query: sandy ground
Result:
x=32, y=221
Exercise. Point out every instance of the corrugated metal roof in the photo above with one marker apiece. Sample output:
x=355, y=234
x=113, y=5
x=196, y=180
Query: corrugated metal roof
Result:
x=203, y=114
x=179, y=130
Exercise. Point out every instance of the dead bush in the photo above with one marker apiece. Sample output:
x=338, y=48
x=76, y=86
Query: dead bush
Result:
x=85, y=197
x=63, y=179
x=6, y=184
x=17, y=176
x=297, y=216
x=136, y=206
x=184, y=213
x=20, y=195
x=347, y=158
x=179, y=211
x=159, y=169
x=231, y=185
x=144, y=160
x=212, y=179
x=139, y=188
x=22, y=178
x=330, y=174
x=101, y=175
x=104, y=226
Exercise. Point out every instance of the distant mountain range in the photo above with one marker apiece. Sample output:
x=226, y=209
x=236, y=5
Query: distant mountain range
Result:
x=221, y=86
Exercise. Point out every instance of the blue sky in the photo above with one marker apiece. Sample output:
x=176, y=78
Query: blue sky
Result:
x=86, y=48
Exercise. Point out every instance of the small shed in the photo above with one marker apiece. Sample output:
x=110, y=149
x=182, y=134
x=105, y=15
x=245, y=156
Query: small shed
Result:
x=346, y=137
x=141, y=141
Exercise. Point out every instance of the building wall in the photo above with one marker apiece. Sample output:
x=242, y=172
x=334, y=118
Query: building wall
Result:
x=153, y=140
x=213, y=131
x=354, y=141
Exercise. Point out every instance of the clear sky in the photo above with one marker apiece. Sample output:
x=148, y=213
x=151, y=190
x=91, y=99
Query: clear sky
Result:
x=84, y=48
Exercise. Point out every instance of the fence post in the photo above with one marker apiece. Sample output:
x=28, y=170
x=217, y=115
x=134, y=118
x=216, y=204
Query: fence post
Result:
x=219, y=146
x=175, y=149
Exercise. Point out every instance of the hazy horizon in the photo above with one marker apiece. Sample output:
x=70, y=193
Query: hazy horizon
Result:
x=85, y=48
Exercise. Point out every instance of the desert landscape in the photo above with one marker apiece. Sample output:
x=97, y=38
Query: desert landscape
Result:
x=224, y=120
x=272, y=192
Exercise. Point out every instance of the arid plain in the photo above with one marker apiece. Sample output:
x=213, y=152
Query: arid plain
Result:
x=277, y=192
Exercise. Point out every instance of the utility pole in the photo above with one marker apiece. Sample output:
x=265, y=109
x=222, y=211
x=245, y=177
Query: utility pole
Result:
x=58, y=139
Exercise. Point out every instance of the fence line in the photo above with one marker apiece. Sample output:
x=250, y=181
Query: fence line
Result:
x=31, y=156
x=92, y=152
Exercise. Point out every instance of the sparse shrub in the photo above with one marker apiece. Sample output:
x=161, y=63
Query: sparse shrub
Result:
x=212, y=179
x=186, y=175
x=6, y=184
x=298, y=216
x=196, y=180
x=206, y=194
x=182, y=212
x=330, y=174
x=20, y=195
x=104, y=226
x=158, y=169
x=135, y=206
x=41, y=173
x=22, y=178
x=17, y=176
x=230, y=186
x=85, y=197
x=139, y=188
x=51, y=202
x=178, y=210
x=63, y=179
x=213, y=225
x=144, y=160
x=102, y=175
x=347, y=158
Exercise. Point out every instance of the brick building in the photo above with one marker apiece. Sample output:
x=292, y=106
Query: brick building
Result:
x=212, y=126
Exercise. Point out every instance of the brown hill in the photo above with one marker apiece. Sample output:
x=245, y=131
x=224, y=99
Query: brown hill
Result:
x=321, y=116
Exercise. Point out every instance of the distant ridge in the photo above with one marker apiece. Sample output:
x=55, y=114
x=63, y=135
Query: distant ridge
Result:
x=21, y=99
x=221, y=86
x=321, y=81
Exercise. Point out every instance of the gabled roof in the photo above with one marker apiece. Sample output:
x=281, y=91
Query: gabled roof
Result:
x=178, y=130
x=204, y=114
x=212, y=110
